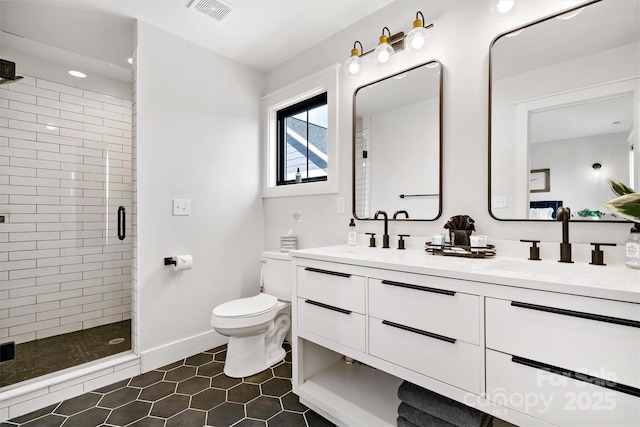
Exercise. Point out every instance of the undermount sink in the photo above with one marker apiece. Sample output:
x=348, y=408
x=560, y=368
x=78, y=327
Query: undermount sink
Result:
x=570, y=271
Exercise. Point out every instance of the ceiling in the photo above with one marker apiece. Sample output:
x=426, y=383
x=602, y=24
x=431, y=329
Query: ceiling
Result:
x=260, y=34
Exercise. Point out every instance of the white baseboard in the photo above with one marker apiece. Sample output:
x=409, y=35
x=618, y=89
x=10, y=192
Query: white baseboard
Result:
x=169, y=353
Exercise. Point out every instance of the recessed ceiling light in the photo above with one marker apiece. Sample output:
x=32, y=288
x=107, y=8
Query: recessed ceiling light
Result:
x=77, y=74
x=130, y=60
x=503, y=6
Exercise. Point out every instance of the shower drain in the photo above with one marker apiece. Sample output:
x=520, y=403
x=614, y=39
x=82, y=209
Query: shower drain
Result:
x=116, y=341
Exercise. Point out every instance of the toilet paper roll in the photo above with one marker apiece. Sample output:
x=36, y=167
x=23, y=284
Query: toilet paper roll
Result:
x=183, y=262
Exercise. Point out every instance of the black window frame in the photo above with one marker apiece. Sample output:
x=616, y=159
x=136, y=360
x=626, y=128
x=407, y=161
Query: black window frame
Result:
x=281, y=115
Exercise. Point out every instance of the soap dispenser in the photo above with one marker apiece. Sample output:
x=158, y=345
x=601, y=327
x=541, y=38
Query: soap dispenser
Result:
x=632, y=248
x=352, y=236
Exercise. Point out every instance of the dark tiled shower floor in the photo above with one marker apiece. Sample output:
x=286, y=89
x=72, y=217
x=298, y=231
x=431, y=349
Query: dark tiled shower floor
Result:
x=189, y=393
x=47, y=355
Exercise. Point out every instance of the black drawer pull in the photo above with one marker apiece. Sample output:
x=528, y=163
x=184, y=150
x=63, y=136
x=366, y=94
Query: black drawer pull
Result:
x=327, y=306
x=577, y=376
x=590, y=316
x=418, y=288
x=419, y=331
x=331, y=273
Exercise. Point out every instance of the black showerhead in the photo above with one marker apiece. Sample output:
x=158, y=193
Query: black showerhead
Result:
x=8, y=72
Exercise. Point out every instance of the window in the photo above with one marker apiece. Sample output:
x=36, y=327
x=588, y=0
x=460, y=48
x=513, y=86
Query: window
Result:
x=302, y=102
x=303, y=141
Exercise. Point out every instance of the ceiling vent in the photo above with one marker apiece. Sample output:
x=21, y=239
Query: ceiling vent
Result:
x=213, y=8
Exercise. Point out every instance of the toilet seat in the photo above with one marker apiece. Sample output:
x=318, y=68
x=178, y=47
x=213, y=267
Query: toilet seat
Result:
x=246, y=307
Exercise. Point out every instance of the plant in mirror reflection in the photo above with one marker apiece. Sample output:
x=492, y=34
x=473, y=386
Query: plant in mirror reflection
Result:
x=588, y=213
x=627, y=204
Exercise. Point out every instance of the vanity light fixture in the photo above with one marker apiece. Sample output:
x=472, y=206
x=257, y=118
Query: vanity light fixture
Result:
x=388, y=45
x=382, y=54
x=352, y=65
x=417, y=38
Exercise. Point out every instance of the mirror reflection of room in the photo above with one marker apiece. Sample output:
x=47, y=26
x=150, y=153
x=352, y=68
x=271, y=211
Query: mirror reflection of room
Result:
x=393, y=117
x=564, y=99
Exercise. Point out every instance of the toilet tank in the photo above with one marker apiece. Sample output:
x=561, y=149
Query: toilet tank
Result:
x=276, y=274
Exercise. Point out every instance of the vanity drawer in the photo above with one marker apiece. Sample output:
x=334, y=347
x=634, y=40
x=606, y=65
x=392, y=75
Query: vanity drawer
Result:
x=441, y=311
x=334, y=323
x=604, y=346
x=333, y=287
x=448, y=360
x=556, y=397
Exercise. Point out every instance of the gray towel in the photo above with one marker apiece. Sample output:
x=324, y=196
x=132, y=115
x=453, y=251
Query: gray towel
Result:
x=402, y=422
x=421, y=419
x=442, y=407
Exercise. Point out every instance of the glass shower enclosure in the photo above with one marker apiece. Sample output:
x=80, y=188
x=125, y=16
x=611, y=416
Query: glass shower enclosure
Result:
x=65, y=229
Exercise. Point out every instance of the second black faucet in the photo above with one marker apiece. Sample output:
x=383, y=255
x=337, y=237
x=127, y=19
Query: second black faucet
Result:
x=385, y=236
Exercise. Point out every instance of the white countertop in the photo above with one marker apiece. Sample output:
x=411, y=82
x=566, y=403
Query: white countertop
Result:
x=610, y=282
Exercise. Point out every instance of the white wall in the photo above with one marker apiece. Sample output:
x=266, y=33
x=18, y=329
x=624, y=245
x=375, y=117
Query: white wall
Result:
x=197, y=135
x=460, y=39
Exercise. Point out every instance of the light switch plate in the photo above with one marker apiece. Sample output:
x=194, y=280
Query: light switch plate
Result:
x=181, y=207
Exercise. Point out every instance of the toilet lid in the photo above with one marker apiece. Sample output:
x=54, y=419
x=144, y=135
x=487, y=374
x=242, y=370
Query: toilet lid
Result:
x=244, y=307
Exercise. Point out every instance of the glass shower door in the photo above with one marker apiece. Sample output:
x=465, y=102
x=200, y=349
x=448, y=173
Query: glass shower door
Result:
x=65, y=245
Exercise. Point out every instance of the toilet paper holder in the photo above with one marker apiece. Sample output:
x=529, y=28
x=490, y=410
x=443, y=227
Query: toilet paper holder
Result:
x=170, y=261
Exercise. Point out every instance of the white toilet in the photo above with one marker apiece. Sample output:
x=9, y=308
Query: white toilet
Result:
x=256, y=326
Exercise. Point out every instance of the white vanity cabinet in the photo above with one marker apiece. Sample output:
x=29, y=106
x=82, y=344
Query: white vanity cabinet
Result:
x=431, y=330
x=574, y=361
x=396, y=326
x=331, y=304
x=507, y=344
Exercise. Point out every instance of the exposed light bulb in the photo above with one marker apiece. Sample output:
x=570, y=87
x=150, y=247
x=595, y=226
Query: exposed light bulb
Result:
x=382, y=54
x=352, y=65
x=416, y=40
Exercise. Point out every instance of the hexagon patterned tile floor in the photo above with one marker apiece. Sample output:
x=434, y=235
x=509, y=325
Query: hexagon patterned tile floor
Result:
x=189, y=393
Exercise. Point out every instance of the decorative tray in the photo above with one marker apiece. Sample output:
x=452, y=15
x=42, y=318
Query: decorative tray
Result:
x=461, y=250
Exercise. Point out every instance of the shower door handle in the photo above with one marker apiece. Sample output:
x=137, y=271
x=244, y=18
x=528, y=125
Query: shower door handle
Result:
x=122, y=223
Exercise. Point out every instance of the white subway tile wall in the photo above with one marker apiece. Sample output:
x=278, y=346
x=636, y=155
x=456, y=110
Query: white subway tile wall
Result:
x=65, y=168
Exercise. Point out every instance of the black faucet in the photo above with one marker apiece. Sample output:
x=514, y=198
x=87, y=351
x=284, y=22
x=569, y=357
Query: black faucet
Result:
x=385, y=236
x=396, y=213
x=564, y=214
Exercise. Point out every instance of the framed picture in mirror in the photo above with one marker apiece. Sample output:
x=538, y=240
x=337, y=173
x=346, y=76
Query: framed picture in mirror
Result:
x=539, y=181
